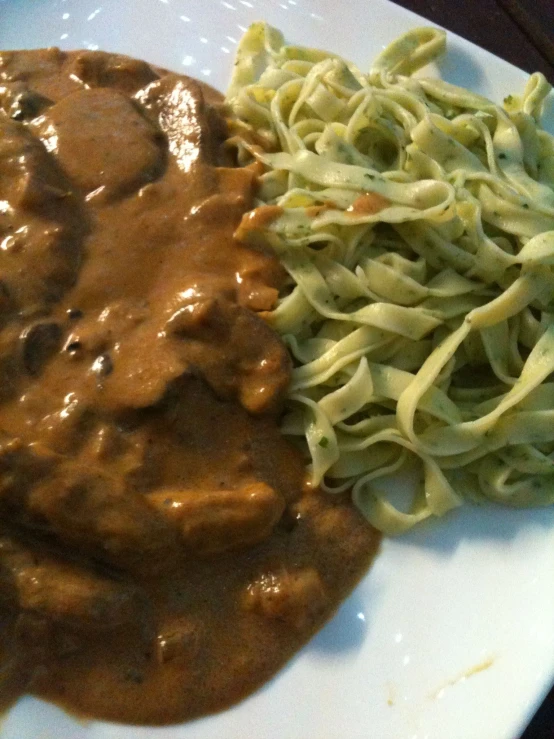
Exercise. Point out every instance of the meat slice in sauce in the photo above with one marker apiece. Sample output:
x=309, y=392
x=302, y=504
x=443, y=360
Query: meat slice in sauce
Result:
x=296, y=598
x=118, y=72
x=94, y=513
x=83, y=507
x=30, y=68
x=54, y=606
x=70, y=130
x=259, y=369
x=213, y=522
x=20, y=103
x=41, y=224
x=193, y=130
x=37, y=582
x=160, y=556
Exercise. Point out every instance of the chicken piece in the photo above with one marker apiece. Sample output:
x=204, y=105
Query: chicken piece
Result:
x=38, y=582
x=297, y=599
x=214, y=522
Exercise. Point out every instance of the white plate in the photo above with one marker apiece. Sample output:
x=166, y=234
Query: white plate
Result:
x=451, y=635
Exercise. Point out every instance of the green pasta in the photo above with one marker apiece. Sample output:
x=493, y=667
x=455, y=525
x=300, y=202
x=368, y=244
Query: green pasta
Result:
x=415, y=220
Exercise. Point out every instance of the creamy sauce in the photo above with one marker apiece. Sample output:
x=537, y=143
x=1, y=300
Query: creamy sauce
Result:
x=368, y=204
x=161, y=555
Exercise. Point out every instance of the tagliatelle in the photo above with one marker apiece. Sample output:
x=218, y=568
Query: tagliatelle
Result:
x=416, y=222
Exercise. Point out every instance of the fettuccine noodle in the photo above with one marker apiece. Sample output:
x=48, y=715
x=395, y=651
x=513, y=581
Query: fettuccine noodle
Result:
x=416, y=222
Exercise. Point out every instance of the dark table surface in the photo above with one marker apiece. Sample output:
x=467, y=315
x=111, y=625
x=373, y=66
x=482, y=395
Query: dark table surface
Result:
x=522, y=32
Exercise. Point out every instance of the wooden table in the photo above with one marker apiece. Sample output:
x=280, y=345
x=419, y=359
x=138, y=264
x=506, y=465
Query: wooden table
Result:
x=522, y=32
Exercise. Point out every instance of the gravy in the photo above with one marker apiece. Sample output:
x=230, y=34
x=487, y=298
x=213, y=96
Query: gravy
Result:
x=160, y=553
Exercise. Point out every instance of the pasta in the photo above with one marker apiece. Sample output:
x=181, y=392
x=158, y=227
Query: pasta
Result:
x=415, y=220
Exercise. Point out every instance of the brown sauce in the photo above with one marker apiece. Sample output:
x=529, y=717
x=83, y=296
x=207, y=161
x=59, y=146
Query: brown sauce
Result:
x=160, y=554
